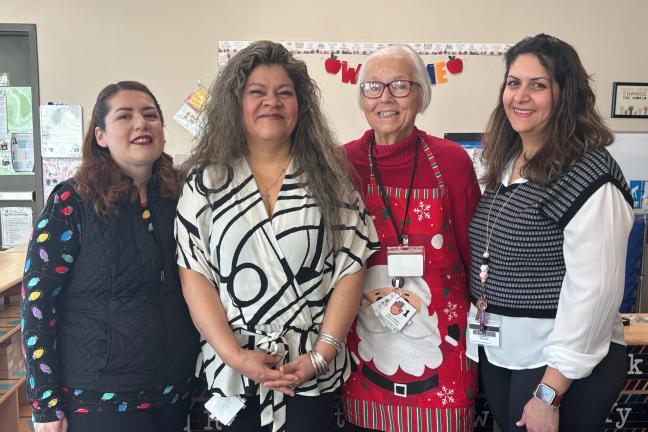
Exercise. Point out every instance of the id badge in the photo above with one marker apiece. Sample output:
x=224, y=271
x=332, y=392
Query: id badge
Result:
x=394, y=312
x=491, y=336
x=405, y=261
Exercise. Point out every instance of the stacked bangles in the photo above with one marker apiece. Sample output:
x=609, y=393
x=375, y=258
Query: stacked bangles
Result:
x=319, y=364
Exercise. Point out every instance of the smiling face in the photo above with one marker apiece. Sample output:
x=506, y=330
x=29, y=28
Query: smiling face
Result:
x=529, y=98
x=269, y=106
x=133, y=135
x=391, y=118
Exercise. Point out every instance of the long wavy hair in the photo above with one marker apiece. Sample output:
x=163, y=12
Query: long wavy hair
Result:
x=99, y=180
x=314, y=150
x=574, y=128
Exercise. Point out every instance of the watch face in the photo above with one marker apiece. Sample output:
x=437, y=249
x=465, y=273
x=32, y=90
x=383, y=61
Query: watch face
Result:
x=545, y=393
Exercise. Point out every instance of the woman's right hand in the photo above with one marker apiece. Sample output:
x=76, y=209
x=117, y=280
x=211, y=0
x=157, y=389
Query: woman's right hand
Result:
x=55, y=426
x=259, y=367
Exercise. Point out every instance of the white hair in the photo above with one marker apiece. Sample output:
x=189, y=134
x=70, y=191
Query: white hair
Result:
x=420, y=77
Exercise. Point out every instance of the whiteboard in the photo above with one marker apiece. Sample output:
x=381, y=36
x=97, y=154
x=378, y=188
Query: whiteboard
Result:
x=630, y=149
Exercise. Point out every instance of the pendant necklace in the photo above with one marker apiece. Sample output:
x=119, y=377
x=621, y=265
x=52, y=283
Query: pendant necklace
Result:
x=265, y=195
x=483, y=269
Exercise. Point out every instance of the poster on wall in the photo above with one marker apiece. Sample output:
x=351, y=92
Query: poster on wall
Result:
x=16, y=225
x=55, y=170
x=19, y=109
x=22, y=152
x=5, y=154
x=3, y=111
x=61, y=130
x=630, y=100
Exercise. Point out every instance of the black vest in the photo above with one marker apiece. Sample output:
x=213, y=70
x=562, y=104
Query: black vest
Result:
x=123, y=324
x=526, y=225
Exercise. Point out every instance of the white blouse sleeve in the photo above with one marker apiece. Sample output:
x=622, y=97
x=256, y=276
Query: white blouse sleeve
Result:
x=192, y=213
x=358, y=240
x=595, y=246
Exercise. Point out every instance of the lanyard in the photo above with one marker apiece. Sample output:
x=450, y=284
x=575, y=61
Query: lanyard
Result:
x=399, y=233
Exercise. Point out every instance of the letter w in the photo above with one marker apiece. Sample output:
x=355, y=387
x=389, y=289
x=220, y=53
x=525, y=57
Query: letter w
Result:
x=350, y=75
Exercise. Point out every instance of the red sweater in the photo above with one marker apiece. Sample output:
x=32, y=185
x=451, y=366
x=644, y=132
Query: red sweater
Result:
x=395, y=164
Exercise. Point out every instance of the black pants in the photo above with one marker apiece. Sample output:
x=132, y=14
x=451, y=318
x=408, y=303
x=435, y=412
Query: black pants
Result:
x=168, y=418
x=303, y=413
x=585, y=406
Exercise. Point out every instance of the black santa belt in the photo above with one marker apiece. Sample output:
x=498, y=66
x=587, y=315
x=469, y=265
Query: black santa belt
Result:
x=401, y=389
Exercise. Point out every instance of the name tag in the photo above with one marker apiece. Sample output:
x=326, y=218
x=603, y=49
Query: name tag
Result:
x=490, y=336
x=405, y=261
x=393, y=311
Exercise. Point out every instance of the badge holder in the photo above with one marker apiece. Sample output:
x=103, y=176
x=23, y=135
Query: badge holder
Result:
x=405, y=261
x=490, y=335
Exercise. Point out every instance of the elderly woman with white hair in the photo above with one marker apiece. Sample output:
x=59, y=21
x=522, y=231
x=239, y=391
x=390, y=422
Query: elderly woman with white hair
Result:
x=410, y=371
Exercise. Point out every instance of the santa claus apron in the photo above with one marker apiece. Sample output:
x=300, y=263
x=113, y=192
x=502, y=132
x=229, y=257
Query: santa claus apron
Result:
x=419, y=378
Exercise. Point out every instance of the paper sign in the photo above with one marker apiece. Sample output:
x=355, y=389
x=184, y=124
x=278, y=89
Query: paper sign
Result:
x=16, y=225
x=55, y=170
x=5, y=154
x=61, y=130
x=19, y=109
x=22, y=152
x=3, y=111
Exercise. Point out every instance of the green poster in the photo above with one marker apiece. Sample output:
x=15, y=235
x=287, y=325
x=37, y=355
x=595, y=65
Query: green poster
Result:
x=19, y=109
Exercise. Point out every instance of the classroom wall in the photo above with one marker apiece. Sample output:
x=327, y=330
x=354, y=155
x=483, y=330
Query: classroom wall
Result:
x=170, y=45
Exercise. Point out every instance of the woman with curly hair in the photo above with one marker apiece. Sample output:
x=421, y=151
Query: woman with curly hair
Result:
x=108, y=340
x=272, y=240
x=549, y=240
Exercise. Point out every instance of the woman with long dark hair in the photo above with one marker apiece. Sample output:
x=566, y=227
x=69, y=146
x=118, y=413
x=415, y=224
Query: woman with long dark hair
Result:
x=549, y=241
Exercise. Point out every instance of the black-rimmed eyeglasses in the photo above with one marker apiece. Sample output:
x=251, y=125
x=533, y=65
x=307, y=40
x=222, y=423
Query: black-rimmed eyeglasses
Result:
x=398, y=88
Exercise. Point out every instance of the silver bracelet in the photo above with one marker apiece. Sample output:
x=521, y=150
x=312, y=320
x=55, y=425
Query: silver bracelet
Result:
x=319, y=364
x=331, y=340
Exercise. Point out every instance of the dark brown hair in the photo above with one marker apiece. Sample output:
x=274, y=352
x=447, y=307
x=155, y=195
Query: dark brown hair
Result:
x=99, y=179
x=574, y=128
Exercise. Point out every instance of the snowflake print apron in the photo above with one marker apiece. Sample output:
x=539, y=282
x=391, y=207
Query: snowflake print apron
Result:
x=418, y=379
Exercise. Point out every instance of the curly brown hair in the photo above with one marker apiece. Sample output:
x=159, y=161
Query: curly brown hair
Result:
x=574, y=128
x=99, y=180
x=314, y=149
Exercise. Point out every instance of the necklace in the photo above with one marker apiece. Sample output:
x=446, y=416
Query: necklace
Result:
x=266, y=194
x=483, y=269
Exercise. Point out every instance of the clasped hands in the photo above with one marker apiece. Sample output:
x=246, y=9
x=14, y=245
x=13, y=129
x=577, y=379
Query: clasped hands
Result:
x=267, y=370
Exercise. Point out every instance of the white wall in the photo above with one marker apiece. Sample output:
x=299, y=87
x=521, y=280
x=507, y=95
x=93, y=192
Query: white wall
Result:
x=169, y=45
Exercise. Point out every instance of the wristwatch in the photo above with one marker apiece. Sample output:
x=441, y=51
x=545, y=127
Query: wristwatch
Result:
x=547, y=395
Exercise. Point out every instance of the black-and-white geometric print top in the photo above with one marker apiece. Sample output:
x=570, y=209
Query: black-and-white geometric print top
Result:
x=274, y=275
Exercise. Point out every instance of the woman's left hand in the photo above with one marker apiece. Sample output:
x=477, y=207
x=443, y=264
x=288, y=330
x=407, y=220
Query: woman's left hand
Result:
x=539, y=417
x=301, y=367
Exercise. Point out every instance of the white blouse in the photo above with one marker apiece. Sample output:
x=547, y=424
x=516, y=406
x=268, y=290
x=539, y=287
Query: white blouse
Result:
x=594, y=248
x=274, y=275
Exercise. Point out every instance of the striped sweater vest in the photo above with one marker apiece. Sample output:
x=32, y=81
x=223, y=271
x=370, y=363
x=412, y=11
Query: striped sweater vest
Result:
x=526, y=224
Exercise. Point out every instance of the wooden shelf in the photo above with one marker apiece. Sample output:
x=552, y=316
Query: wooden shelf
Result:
x=9, y=387
x=25, y=424
x=12, y=263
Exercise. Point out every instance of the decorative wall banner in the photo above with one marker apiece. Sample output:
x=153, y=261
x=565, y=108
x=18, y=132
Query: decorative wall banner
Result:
x=226, y=49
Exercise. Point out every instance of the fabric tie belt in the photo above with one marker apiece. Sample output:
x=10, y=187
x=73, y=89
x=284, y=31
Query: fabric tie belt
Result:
x=401, y=389
x=273, y=407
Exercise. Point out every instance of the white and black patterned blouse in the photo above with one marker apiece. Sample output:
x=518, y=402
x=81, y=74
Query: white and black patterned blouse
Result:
x=274, y=275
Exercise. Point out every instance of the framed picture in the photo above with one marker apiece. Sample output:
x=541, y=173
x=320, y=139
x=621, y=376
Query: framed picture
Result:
x=630, y=100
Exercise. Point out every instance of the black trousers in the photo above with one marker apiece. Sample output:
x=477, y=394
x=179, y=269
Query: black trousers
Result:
x=168, y=418
x=303, y=413
x=584, y=407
